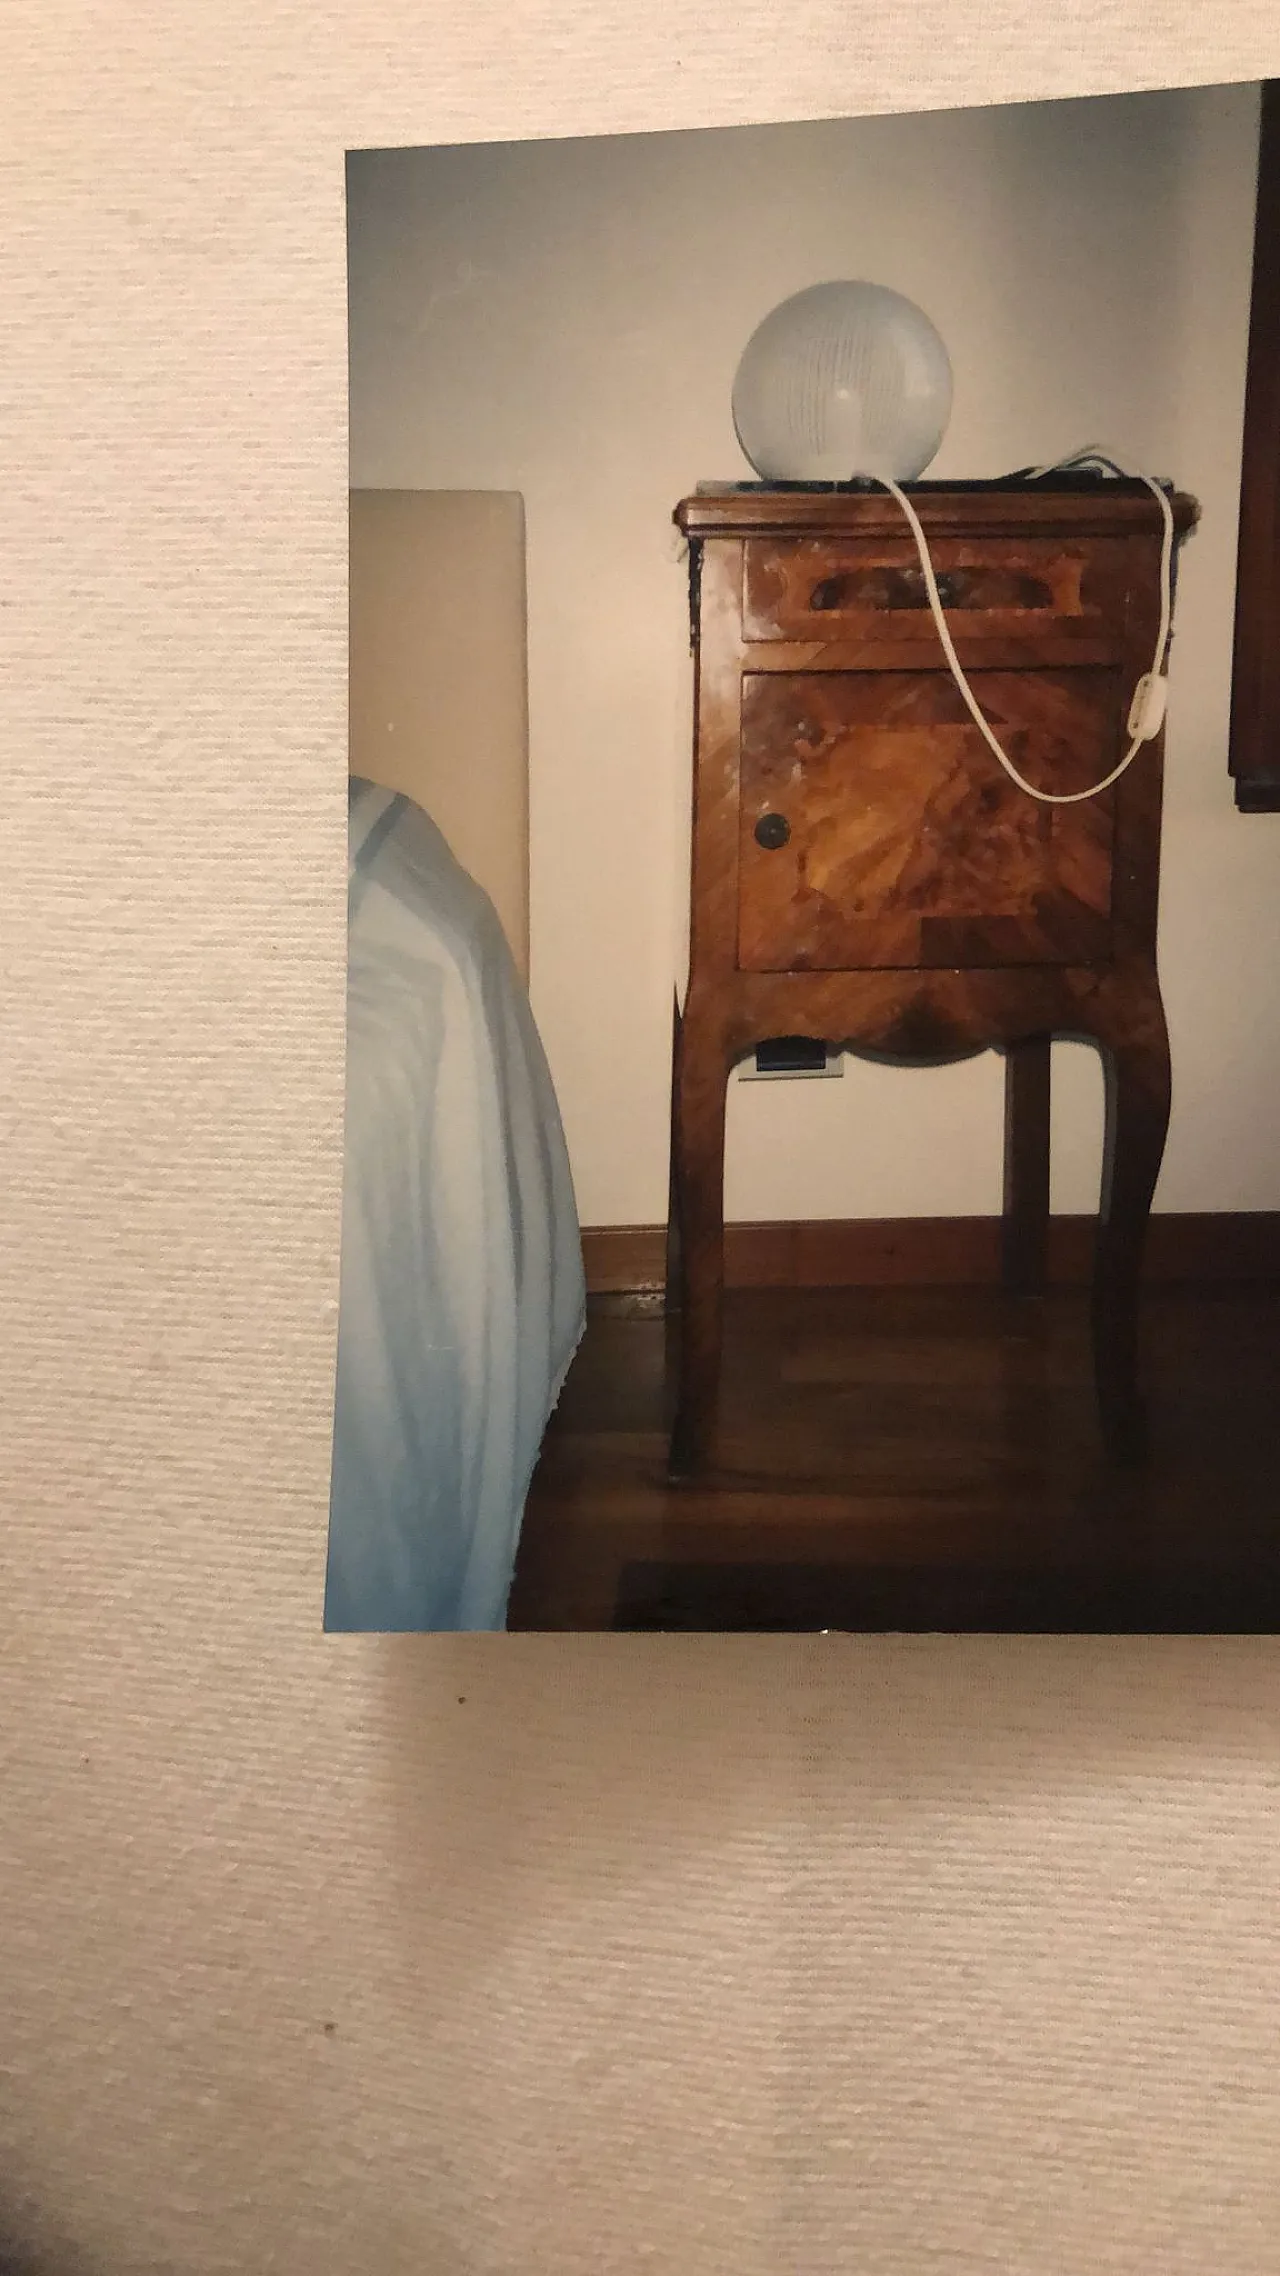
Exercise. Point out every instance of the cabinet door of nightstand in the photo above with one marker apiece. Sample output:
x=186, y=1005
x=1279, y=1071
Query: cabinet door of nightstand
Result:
x=877, y=830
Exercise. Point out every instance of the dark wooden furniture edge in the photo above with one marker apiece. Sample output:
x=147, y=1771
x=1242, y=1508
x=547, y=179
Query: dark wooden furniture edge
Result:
x=923, y=1252
x=992, y=511
x=1255, y=689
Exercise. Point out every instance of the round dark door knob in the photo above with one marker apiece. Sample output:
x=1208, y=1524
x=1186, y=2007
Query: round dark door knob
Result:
x=772, y=831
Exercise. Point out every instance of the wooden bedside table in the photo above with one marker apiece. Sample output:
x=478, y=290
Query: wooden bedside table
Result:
x=864, y=872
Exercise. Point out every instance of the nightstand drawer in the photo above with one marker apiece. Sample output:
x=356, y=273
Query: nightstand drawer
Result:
x=873, y=591
x=877, y=831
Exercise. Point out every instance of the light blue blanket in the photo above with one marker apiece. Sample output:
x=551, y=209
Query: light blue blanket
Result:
x=462, y=1291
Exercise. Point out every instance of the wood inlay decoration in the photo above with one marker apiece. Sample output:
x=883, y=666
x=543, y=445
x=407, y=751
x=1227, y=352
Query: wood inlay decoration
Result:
x=864, y=871
x=815, y=588
x=907, y=844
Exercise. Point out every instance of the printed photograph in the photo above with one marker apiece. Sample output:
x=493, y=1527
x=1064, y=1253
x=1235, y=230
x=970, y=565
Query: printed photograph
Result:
x=812, y=1089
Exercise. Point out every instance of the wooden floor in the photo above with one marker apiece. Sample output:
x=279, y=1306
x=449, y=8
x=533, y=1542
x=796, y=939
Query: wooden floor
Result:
x=922, y=1459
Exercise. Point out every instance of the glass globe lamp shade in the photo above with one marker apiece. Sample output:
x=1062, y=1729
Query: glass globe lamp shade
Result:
x=840, y=380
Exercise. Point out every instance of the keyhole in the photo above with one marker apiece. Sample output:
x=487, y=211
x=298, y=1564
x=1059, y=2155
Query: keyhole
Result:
x=772, y=831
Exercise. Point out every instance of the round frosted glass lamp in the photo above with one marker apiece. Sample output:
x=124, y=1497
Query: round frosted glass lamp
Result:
x=842, y=380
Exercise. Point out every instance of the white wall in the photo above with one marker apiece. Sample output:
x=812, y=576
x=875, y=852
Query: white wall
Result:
x=564, y=319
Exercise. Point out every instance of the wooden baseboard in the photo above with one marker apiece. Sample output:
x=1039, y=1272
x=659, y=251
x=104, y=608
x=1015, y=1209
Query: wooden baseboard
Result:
x=933, y=1252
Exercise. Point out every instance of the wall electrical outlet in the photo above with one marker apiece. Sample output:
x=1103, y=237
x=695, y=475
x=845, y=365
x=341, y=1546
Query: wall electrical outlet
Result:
x=789, y=1057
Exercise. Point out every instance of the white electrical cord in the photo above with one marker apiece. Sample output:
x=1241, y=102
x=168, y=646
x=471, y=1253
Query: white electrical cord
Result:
x=1147, y=710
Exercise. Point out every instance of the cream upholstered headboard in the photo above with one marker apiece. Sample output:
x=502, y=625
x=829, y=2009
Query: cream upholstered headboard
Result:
x=438, y=704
